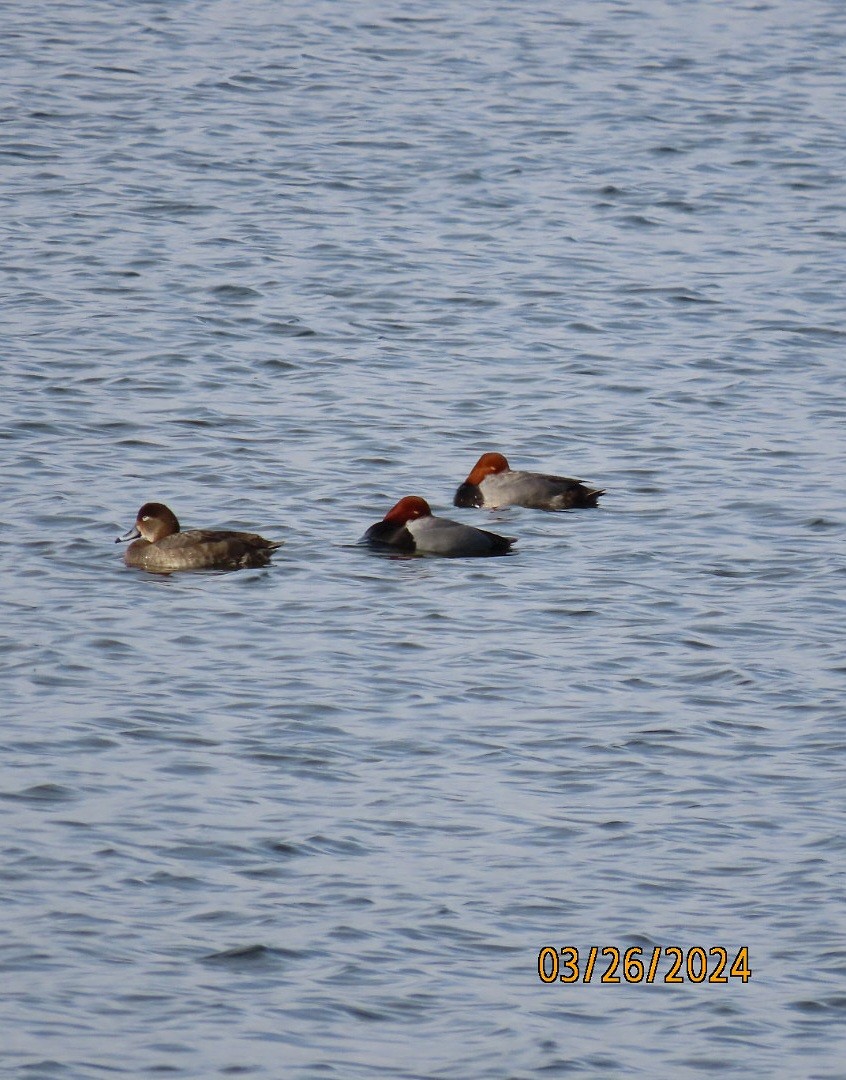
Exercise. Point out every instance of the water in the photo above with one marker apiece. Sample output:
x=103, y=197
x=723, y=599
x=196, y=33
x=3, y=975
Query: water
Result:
x=279, y=265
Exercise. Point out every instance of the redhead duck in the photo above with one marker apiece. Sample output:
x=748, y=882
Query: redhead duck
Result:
x=410, y=527
x=159, y=545
x=493, y=484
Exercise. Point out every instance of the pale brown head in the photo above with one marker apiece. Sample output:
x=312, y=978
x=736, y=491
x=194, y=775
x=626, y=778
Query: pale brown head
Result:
x=486, y=466
x=154, y=522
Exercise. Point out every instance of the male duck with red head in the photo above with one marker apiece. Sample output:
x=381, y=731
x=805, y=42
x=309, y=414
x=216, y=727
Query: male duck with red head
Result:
x=494, y=484
x=410, y=527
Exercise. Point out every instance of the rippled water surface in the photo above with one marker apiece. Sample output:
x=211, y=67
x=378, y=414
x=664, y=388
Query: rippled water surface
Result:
x=280, y=264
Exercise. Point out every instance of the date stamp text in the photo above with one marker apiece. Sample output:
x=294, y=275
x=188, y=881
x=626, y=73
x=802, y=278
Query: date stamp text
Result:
x=609, y=965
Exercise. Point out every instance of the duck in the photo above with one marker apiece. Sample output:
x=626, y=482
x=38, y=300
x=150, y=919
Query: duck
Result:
x=493, y=484
x=159, y=545
x=411, y=528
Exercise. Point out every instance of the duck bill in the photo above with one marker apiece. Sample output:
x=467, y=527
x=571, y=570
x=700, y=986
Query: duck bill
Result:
x=132, y=534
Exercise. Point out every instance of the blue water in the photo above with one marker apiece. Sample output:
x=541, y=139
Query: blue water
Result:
x=278, y=265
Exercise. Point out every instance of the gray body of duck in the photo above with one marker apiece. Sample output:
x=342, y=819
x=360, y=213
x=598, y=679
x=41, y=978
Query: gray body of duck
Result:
x=411, y=528
x=493, y=484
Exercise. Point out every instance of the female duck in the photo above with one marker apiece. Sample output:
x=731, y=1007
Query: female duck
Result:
x=493, y=484
x=159, y=545
x=410, y=527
